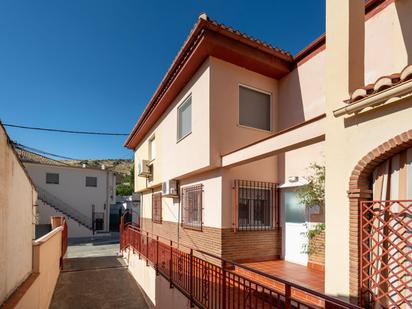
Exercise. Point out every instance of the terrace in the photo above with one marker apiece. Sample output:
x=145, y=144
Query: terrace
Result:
x=209, y=281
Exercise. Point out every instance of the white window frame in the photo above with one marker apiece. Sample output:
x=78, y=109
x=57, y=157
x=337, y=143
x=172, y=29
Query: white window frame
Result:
x=238, y=108
x=185, y=101
x=151, y=144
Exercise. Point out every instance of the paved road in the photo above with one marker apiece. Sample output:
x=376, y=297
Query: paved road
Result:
x=94, y=276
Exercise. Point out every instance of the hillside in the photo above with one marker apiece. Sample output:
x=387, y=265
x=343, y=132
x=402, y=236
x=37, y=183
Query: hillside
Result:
x=120, y=166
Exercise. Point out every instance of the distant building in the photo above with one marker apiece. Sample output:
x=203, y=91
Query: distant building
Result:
x=82, y=194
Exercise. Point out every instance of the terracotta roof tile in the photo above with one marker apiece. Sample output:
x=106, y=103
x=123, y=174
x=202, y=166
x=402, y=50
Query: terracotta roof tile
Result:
x=248, y=37
x=382, y=83
x=31, y=157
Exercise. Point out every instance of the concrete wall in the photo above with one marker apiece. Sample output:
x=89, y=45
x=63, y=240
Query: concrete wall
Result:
x=73, y=191
x=37, y=291
x=156, y=288
x=17, y=199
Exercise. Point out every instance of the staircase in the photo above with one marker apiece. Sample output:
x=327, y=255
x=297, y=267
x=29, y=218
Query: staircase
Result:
x=63, y=207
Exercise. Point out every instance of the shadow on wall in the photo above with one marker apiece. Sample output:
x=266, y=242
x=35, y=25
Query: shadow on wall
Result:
x=404, y=10
x=290, y=111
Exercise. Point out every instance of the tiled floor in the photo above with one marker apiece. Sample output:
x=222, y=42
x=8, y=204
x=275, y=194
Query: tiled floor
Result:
x=295, y=273
x=302, y=275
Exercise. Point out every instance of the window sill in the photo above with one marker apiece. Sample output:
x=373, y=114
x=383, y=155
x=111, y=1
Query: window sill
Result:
x=193, y=228
x=255, y=129
x=183, y=137
x=257, y=229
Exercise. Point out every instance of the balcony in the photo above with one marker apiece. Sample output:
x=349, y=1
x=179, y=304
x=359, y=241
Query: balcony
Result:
x=209, y=281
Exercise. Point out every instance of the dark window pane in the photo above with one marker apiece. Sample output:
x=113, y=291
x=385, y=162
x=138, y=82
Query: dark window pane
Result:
x=91, y=181
x=254, y=109
x=52, y=178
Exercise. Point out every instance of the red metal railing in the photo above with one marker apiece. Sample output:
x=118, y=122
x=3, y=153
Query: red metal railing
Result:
x=214, y=284
x=386, y=253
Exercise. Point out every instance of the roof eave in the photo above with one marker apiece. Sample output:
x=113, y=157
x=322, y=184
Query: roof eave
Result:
x=219, y=43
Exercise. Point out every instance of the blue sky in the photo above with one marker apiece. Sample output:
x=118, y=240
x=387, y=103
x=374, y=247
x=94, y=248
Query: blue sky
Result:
x=94, y=64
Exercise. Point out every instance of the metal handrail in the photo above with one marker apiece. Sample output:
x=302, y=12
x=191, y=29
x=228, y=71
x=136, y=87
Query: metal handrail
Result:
x=62, y=206
x=327, y=298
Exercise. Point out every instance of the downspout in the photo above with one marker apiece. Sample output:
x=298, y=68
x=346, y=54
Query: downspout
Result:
x=107, y=202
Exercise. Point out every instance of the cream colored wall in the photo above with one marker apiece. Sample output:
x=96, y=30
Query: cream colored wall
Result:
x=296, y=162
x=352, y=141
x=157, y=290
x=302, y=92
x=225, y=132
x=17, y=197
x=46, y=265
x=202, y=149
x=342, y=76
x=212, y=201
x=72, y=188
x=388, y=41
x=262, y=170
x=348, y=139
x=174, y=159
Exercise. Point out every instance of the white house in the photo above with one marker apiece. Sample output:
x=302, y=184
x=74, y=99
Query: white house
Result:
x=82, y=194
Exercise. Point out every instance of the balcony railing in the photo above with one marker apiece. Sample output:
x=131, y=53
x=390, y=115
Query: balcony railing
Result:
x=210, y=284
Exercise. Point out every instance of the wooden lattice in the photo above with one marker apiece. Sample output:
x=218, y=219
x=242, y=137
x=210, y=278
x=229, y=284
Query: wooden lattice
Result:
x=386, y=253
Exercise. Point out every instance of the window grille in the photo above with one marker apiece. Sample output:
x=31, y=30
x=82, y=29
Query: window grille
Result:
x=157, y=207
x=192, y=207
x=255, y=205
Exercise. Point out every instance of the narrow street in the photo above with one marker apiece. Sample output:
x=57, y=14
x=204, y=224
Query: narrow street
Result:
x=94, y=276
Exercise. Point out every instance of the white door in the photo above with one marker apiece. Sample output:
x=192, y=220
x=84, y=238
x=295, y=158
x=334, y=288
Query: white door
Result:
x=294, y=228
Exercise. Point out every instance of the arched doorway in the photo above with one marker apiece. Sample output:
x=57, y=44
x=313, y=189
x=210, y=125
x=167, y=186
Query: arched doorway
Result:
x=380, y=226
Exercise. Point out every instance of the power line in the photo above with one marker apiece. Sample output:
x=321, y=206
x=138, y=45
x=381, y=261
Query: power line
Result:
x=38, y=151
x=64, y=131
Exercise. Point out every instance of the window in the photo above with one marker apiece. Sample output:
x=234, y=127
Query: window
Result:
x=157, y=207
x=255, y=205
x=254, y=109
x=152, y=148
x=52, y=178
x=184, y=119
x=91, y=181
x=192, y=207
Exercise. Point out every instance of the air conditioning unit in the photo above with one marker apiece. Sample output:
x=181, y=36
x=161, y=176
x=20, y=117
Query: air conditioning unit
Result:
x=143, y=169
x=170, y=188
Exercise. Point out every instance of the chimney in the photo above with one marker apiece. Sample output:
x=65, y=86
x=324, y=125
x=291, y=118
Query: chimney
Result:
x=345, y=40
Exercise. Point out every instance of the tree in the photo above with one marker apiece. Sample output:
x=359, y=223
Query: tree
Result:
x=313, y=195
x=127, y=187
